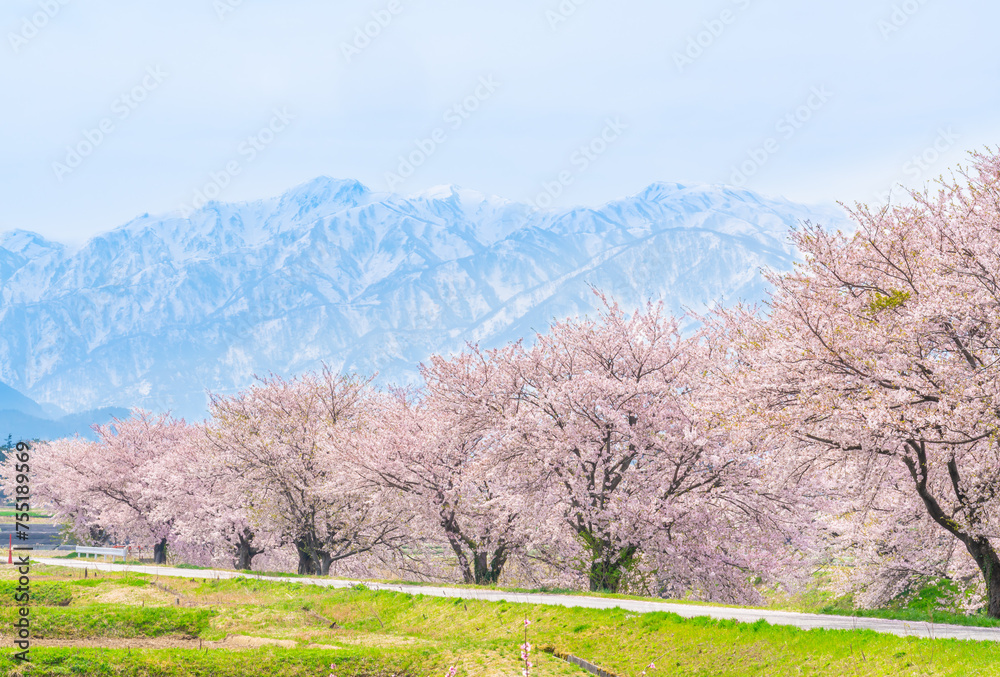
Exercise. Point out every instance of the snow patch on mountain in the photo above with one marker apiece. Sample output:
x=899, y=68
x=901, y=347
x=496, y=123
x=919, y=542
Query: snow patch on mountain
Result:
x=162, y=310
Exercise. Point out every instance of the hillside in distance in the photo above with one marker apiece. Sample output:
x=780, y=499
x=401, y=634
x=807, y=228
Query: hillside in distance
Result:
x=159, y=311
x=21, y=418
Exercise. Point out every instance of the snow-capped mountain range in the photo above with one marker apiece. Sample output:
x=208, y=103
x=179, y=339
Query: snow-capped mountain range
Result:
x=159, y=311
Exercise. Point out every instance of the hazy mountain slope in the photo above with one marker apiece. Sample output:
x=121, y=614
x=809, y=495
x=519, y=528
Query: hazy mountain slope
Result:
x=164, y=308
x=22, y=418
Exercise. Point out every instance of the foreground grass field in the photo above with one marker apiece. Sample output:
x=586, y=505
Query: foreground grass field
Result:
x=127, y=625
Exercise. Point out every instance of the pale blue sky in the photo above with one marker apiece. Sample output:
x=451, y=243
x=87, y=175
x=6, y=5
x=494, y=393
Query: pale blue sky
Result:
x=886, y=81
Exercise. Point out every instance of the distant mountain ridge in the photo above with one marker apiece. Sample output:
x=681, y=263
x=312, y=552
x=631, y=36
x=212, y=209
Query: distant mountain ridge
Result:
x=11, y=400
x=21, y=418
x=162, y=309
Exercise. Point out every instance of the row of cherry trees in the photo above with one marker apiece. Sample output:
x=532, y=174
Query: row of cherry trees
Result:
x=853, y=422
x=604, y=449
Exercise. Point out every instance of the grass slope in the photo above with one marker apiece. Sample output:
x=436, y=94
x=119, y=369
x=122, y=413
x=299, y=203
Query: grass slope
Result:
x=365, y=632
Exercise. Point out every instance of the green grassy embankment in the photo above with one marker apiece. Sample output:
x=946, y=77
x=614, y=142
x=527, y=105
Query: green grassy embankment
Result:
x=251, y=627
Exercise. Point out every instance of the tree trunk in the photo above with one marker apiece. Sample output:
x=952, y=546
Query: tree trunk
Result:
x=989, y=564
x=481, y=569
x=98, y=536
x=603, y=577
x=980, y=548
x=606, y=572
x=313, y=561
x=305, y=559
x=160, y=552
x=488, y=569
x=457, y=543
x=245, y=552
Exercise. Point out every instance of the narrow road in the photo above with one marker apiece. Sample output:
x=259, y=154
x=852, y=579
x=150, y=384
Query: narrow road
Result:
x=743, y=615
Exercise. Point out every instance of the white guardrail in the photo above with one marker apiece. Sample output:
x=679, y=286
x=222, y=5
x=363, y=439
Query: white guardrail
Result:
x=107, y=552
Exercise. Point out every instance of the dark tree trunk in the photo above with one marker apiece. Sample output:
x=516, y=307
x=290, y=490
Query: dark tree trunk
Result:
x=245, y=552
x=98, y=536
x=989, y=564
x=313, y=561
x=468, y=576
x=481, y=569
x=607, y=565
x=980, y=548
x=305, y=559
x=160, y=552
x=488, y=569
x=606, y=570
x=457, y=542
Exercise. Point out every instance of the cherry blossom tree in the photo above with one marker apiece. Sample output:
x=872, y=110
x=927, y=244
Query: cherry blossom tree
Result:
x=880, y=360
x=285, y=441
x=59, y=481
x=118, y=486
x=210, y=507
x=446, y=450
x=616, y=414
x=149, y=481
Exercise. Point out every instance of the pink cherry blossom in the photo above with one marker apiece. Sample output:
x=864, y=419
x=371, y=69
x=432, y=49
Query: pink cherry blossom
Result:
x=876, y=371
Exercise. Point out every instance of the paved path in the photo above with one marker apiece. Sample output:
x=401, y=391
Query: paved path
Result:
x=744, y=615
